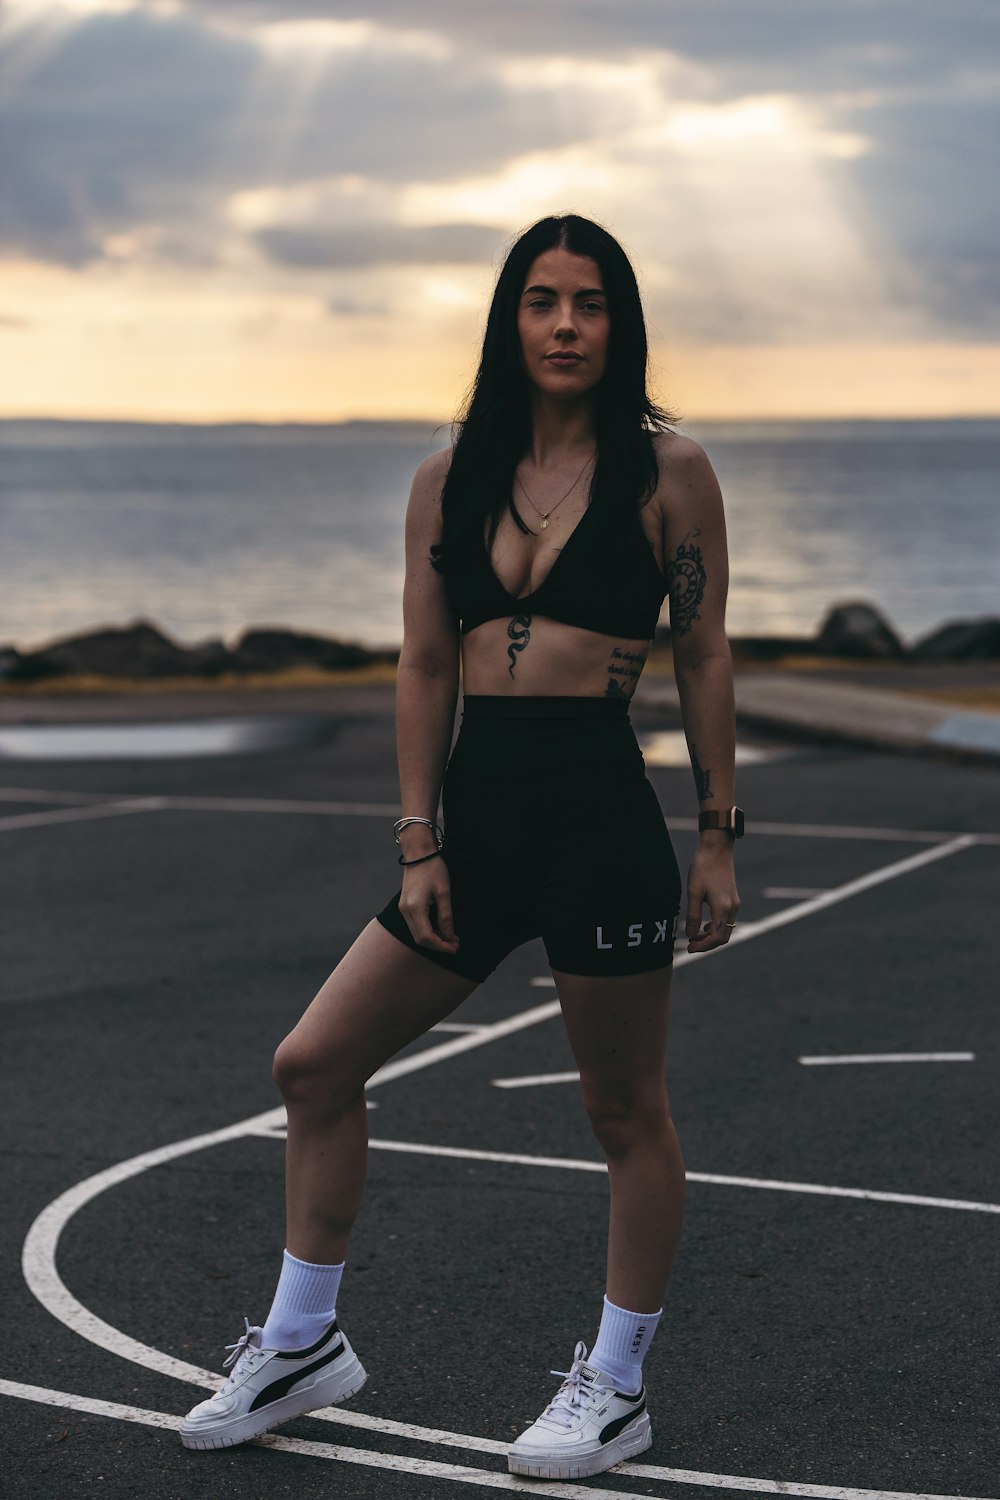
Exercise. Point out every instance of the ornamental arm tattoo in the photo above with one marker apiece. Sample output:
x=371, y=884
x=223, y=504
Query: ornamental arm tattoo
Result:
x=686, y=579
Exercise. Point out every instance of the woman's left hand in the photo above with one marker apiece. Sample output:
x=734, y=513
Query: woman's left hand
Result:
x=712, y=883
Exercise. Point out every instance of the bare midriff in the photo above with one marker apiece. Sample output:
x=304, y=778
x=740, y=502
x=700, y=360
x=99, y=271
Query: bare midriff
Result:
x=528, y=655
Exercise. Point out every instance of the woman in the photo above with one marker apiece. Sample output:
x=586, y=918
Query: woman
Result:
x=539, y=551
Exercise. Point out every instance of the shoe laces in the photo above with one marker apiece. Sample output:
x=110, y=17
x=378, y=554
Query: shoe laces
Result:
x=578, y=1390
x=245, y=1349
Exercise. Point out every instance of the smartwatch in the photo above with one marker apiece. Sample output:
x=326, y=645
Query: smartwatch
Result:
x=729, y=818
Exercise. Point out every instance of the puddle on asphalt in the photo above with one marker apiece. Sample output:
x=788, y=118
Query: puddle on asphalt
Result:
x=257, y=736
x=163, y=741
x=668, y=747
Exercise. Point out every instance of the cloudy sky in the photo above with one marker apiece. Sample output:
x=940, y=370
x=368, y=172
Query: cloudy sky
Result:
x=277, y=209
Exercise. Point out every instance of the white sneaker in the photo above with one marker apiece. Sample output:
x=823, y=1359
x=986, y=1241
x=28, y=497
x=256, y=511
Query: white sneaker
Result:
x=270, y=1386
x=587, y=1428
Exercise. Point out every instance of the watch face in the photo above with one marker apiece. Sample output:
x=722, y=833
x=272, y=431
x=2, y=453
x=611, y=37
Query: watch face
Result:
x=738, y=822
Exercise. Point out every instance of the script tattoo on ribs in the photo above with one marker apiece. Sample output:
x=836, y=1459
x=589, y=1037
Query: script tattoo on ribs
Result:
x=519, y=631
x=686, y=579
x=625, y=669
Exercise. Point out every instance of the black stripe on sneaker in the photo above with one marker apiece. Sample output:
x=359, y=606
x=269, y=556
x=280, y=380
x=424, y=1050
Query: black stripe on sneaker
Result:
x=279, y=1388
x=313, y=1348
x=614, y=1428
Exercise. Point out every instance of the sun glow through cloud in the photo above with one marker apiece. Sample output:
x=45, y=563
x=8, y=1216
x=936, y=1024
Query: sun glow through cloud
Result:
x=303, y=215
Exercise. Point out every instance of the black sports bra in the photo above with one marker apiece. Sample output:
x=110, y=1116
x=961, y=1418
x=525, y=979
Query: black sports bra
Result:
x=616, y=592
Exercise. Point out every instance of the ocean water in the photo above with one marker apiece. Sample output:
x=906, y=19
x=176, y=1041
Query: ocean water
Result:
x=206, y=530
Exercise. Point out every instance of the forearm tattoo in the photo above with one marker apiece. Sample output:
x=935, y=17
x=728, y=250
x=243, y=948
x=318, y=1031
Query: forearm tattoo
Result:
x=624, y=671
x=702, y=776
x=686, y=579
x=519, y=631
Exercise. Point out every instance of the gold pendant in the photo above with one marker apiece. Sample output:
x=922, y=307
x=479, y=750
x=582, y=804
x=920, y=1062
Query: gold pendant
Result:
x=545, y=522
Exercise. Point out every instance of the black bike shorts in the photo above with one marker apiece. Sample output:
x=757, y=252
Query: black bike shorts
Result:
x=552, y=830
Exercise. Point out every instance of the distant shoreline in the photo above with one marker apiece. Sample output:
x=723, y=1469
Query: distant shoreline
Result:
x=142, y=658
x=433, y=423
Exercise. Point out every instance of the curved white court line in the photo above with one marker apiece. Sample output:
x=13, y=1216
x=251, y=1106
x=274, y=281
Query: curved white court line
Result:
x=47, y=1286
x=485, y=1478
x=41, y=1243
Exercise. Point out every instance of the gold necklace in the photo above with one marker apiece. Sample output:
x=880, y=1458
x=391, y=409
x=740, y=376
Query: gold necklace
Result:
x=544, y=514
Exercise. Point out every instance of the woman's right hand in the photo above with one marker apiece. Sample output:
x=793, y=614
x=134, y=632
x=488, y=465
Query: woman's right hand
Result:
x=425, y=903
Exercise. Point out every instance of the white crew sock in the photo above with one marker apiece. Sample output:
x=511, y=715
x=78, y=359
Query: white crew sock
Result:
x=305, y=1302
x=621, y=1345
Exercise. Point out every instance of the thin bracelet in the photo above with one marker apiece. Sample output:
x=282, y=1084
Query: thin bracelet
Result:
x=401, y=823
x=401, y=861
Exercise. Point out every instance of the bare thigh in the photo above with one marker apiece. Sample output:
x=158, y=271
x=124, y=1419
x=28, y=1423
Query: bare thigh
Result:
x=380, y=997
x=618, y=1031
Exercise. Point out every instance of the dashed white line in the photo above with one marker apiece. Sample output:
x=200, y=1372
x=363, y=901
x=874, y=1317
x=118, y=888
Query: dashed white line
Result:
x=535, y=1080
x=887, y=1057
x=794, y=892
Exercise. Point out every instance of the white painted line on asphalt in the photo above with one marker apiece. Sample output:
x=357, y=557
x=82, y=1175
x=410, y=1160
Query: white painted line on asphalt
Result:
x=401, y=1066
x=464, y=1474
x=879, y=876
x=457, y=1026
x=58, y=794
x=205, y=804
x=382, y=809
x=715, y=1179
x=847, y=831
x=793, y=892
x=41, y=1243
x=888, y=1057
x=80, y=814
x=38, y=1260
x=534, y=1080
x=282, y=805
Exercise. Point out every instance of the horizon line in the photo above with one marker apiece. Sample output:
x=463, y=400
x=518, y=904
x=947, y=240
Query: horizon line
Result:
x=346, y=421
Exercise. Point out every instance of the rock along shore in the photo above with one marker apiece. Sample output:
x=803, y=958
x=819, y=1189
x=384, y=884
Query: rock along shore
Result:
x=142, y=653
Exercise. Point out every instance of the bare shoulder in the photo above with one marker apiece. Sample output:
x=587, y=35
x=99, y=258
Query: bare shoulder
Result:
x=680, y=459
x=428, y=481
x=687, y=487
x=424, y=518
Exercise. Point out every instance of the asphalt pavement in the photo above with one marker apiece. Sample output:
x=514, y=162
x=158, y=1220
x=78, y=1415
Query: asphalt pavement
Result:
x=170, y=905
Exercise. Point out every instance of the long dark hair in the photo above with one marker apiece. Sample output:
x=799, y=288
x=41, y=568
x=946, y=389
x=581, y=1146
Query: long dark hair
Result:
x=494, y=427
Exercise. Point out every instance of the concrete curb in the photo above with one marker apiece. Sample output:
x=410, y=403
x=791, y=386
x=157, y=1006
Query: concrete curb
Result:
x=812, y=709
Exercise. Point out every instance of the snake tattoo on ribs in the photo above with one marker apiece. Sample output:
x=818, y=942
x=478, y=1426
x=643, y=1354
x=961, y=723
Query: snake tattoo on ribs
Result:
x=519, y=631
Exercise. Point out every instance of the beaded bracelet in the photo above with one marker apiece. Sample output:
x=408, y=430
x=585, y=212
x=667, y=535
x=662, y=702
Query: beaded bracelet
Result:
x=420, y=861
